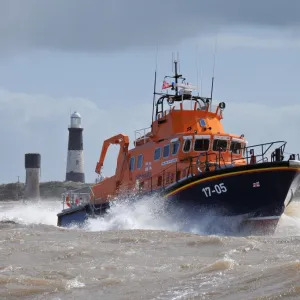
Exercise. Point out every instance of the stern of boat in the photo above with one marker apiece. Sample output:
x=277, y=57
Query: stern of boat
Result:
x=76, y=208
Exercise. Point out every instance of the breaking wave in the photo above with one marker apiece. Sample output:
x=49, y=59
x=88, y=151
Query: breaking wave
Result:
x=148, y=214
x=27, y=213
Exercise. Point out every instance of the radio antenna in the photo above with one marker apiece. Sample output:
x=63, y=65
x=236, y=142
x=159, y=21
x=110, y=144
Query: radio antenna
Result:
x=214, y=64
x=197, y=66
x=154, y=86
x=172, y=62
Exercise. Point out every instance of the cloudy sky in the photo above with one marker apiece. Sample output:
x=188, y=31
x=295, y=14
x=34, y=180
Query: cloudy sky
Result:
x=99, y=57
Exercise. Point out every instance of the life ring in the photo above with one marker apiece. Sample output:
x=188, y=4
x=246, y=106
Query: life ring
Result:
x=170, y=101
x=68, y=200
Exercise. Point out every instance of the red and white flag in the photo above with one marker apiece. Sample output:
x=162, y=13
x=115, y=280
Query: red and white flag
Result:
x=166, y=85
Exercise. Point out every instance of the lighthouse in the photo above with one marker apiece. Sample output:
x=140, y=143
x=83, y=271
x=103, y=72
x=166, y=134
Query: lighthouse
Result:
x=75, y=163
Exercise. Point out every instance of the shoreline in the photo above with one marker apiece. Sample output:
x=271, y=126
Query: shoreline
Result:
x=49, y=189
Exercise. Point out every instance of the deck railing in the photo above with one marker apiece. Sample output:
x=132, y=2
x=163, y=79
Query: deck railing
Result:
x=254, y=154
x=175, y=172
x=141, y=134
x=73, y=198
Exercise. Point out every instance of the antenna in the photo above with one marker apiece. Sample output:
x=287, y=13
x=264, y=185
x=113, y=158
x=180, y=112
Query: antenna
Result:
x=172, y=63
x=175, y=68
x=197, y=66
x=154, y=86
x=214, y=64
x=201, y=81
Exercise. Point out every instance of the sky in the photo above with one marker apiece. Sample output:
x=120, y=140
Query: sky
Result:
x=99, y=57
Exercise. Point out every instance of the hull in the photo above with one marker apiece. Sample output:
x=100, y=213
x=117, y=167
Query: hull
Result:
x=79, y=215
x=258, y=192
x=73, y=216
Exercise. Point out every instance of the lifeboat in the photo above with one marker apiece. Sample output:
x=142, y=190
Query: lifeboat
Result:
x=195, y=166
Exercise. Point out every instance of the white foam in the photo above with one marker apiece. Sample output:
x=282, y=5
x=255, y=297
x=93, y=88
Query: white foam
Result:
x=74, y=283
x=41, y=212
x=147, y=213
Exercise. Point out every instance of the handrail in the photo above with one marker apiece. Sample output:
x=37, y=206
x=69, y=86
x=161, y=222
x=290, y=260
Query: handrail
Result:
x=263, y=151
x=140, y=134
x=218, y=158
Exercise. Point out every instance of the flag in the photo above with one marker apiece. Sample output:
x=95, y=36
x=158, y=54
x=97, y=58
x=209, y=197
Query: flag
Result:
x=166, y=85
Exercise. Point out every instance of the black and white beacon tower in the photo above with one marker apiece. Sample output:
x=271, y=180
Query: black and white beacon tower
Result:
x=75, y=163
x=32, y=183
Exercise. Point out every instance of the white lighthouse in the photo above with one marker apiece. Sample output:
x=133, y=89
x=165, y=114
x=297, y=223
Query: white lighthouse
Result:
x=75, y=163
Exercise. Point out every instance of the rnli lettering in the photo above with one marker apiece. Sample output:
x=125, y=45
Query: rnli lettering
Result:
x=143, y=176
x=170, y=161
x=216, y=189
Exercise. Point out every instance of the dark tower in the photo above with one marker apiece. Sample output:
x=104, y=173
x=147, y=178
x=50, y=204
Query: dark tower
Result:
x=75, y=163
x=32, y=184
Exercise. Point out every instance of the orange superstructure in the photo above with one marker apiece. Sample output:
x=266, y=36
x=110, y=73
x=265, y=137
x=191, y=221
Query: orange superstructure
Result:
x=186, y=137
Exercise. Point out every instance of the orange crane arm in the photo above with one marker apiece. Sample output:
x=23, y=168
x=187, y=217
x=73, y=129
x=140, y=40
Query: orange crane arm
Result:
x=119, y=139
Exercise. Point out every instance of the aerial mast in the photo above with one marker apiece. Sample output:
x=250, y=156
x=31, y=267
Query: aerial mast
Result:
x=154, y=87
x=176, y=76
x=154, y=92
x=214, y=65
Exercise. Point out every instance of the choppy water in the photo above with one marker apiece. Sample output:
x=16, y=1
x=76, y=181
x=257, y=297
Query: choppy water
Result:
x=138, y=253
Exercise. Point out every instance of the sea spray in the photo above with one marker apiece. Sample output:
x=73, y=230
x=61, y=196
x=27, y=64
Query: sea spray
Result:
x=147, y=213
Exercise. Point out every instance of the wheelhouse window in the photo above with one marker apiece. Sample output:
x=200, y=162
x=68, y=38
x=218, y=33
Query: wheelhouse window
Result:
x=131, y=164
x=157, y=154
x=220, y=145
x=187, y=145
x=201, y=144
x=166, y=151
x=175, y=147
x=236, y=147
x=140, y=161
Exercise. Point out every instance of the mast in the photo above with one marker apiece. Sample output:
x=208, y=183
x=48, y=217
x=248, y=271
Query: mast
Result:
x=154, y=93
x=176, y=77
x=154, y=87
x=182, y=90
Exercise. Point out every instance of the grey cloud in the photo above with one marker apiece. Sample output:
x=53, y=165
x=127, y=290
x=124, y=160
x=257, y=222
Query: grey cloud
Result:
x=113, y=25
